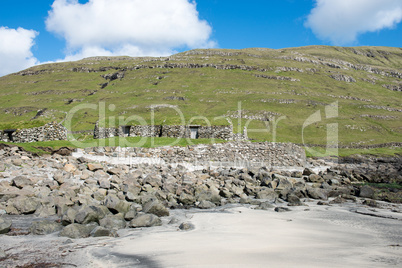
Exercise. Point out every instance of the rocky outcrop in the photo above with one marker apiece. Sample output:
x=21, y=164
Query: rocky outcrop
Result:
x=344, y=78
x=393, y=87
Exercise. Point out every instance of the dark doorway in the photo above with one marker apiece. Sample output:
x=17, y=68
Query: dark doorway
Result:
x=9, y=133
x=194, y=132
x=126, y=130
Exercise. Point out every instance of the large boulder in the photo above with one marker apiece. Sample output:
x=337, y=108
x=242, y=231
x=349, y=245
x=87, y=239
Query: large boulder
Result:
x=45, y=227
x=155, y=207
x=5, y=225
x=100, y=231
x=25, y=204
x=76, y=230
x=21, y=182
x=366, y=192
x=145, y=220
x=116, y=205
x=113, y=222
x=317, y=193
x=267, y=193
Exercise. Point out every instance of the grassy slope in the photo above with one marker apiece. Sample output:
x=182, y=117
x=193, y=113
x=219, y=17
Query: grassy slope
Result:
x=211, y=93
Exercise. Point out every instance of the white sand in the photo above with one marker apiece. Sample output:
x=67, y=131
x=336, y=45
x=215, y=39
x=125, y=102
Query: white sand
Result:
x=323, y=236
x=243, y=237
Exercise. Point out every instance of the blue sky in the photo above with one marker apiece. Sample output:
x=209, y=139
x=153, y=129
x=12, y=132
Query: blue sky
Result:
x=34, y=32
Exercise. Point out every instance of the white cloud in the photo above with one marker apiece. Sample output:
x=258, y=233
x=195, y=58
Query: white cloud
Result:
x=15, y=49
x=128, y=27
x=341, y=21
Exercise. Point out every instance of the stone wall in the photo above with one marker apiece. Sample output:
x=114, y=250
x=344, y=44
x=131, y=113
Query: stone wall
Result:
x=244, y=154
x=49, y=132
x=203, y=132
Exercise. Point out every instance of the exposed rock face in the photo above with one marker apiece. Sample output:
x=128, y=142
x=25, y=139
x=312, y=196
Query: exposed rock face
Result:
x=344, y=78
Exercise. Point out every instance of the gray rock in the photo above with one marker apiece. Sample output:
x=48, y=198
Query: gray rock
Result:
x=156, y=208
x=130, y=214
x=21, y=182
x=115, y=205
x=267, y=193
x=307, y=172
x=45, y=227
x=293, y=200
x=2, y=254
x=315, y=178
x=317, y=193
x=145, y=220
x=187, y=199
x=113, y=222
x=5, y=225
x=208, y=195
x=366, y=192
x=86, y=215
x=265, y=206
x=100, y=231
x=206, y=204
x=68, y=216
x=25, y=204
x=282, y=209
x=76, y=230
x=186, y=226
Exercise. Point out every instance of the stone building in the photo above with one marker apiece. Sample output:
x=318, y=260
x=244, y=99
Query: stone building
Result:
x=49, y=132
x=172, y=131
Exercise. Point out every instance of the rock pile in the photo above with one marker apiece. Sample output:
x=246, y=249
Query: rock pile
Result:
x=97, y=199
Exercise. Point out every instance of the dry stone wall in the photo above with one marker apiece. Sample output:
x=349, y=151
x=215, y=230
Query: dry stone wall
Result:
x=246, y=154
x=49, y=132
x=202, y=132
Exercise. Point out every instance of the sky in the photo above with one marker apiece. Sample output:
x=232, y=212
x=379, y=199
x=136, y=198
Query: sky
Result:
x=43, y=31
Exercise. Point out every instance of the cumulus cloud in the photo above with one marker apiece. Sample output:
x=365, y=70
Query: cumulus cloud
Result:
x=341, y=21
x=128, y=27
x=15, y=49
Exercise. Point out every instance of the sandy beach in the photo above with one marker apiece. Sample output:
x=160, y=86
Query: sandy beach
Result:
x=344, y=235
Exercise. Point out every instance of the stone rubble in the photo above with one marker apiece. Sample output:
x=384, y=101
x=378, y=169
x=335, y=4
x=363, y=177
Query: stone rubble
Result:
x=79, y=198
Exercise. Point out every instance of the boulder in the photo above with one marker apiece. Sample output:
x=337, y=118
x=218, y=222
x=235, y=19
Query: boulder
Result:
x=265, y=206
x=282, y=209
x=76, y=230
x=186, y=226
x=156, y=208
x=366, y=192
x=187, y=199
x=5, y=225
x=100, y=231
x=307, y=172
x=113, y=222
x=21, y=181
x=87, y=214
x=317, y=193
x=95, y=167
x=206, y=205
x=145, y=220
x=68, y=216
x=266, y=193
x=25, y=204
x=45, y=227
x=69, y=168
x=293, y=200
x=116, y=205
x=315, y=178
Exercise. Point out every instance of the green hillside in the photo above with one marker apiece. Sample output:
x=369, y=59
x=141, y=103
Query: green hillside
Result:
x=276, y=89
